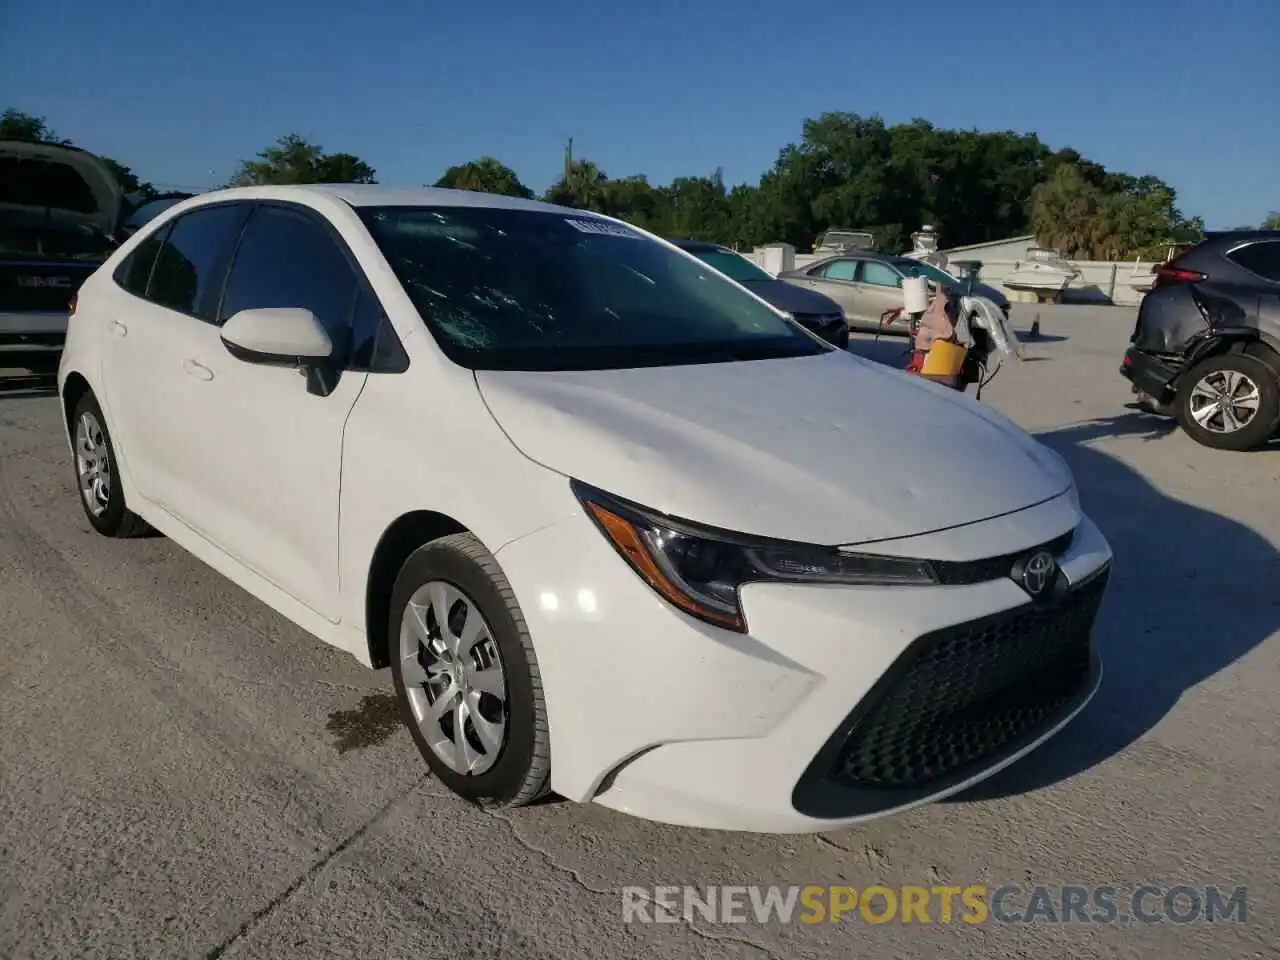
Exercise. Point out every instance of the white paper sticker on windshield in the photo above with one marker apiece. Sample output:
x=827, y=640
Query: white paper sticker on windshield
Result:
x=603, y=228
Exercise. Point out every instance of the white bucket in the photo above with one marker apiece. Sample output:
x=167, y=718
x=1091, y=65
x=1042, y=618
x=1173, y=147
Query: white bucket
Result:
x=915, y=294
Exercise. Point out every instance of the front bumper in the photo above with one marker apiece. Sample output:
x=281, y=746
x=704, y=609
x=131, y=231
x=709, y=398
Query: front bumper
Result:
x=1150, y=374
x=661, y=716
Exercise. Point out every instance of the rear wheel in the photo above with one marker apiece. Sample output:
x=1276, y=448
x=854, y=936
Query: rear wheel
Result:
x=466, y=675
x=1229, y=402
x=98, y=475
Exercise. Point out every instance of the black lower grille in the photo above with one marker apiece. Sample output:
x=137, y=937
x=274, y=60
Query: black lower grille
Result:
x=969, y=690
x=957, y=700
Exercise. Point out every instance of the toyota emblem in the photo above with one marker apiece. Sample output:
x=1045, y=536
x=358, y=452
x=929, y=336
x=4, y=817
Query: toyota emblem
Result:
x=1037, y=572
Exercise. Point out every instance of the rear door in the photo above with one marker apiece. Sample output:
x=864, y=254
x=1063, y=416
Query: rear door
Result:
x=834, y=278
x=152, y=331
x=121, y=309
x=1262, y=260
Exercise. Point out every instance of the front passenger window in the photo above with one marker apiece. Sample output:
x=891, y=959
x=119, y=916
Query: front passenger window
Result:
x=879, y=274
x=287, y=259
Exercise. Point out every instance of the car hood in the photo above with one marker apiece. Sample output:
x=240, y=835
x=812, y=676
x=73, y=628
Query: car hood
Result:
x=58, y=186
x=827, y=449
x=792, y=299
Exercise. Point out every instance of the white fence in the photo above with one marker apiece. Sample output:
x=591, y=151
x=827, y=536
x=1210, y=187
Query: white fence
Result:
x=1100, y=281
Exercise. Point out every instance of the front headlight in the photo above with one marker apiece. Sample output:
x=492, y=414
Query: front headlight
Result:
x=700, y=570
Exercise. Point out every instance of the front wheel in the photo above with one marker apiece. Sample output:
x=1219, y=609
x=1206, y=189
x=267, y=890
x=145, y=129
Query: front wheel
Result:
x=466, y=675
x=1229, y=402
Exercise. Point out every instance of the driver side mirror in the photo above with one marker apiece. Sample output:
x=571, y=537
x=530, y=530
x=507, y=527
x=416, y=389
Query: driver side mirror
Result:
x=284, y=337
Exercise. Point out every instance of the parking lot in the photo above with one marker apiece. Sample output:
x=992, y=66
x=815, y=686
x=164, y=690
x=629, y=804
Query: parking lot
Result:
x=183, y=773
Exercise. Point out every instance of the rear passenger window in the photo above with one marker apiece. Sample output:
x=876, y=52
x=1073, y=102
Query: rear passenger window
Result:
x=135, y=272
x=840, y=270
x=1263, y=258
x=192, y=263
x=288, y=259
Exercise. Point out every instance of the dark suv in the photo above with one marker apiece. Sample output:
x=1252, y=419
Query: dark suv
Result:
x=1206, y=346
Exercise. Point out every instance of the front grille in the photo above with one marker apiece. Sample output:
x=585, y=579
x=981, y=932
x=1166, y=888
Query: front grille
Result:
x=956, y=573
x=960, y=695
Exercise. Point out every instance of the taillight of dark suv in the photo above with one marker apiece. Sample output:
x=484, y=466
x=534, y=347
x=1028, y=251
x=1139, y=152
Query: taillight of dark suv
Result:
x=1168, y=274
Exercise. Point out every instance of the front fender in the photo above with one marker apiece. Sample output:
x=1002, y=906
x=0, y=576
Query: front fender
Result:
x=424, y=441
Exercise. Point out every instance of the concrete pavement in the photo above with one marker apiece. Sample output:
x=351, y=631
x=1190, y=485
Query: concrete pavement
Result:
x=183, y=773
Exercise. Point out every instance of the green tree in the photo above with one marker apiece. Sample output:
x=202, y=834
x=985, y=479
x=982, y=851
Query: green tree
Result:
x=16, y=125
x=1115, y=217
x=858, y=172
x=486, y=175
x=695, y=208
x=1271, y=221
x=583, y=187
x=635, y=200
x=1064, y=209
x=129, y=181
x=295, y=160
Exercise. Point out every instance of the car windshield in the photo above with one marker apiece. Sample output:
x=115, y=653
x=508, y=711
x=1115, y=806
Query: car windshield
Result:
x=504, y=289
x=732, y=265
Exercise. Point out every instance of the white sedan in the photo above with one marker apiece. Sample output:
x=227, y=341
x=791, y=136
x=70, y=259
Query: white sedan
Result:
x=619, y=529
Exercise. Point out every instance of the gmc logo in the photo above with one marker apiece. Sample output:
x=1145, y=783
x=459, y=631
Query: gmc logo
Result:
x=56, y=283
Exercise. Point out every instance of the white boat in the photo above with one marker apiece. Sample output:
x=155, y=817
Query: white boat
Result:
x=1044, y=272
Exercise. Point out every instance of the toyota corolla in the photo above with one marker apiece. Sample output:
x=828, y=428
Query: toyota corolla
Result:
x=619, y=528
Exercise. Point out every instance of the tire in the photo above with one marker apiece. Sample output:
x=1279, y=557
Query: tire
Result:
x=1249, y=375
x=443, y=573
x=103, y=504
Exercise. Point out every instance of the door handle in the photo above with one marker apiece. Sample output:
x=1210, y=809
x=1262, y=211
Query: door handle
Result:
x=119, y=329
x=195, y=368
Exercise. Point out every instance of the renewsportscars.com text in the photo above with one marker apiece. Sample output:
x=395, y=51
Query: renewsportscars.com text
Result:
x=937, y=904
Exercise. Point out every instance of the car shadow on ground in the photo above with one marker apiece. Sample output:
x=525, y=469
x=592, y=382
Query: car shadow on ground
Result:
x=1187, y=600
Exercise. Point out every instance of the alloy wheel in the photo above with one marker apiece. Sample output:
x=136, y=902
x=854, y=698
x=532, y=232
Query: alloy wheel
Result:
x=454, y=677
x=93, y=464
x=1224, y=401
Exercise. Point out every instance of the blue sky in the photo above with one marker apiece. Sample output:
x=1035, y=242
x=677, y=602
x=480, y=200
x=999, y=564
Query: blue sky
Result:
x=181, y=93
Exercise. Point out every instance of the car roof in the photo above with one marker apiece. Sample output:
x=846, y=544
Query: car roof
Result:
x=1240, y=236
x=377, y=195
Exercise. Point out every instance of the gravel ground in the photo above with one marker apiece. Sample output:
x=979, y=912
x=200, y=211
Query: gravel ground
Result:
x=183, y=773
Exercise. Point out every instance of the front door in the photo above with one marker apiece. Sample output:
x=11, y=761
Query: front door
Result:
x=879, y=288
x=264, y=462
